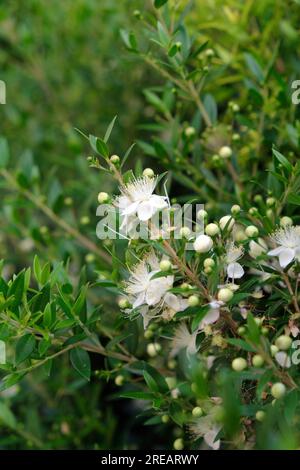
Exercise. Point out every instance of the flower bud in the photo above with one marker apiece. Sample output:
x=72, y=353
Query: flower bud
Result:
x=251, y=231
x=235, y=210
x=153, y=349
x=283, y=342
x=278, y=390
x=225, y=294
x=253, y=211
x=209, y=53
x=85, y=220
x=238, y=364
x=235, y=107
x=212, y=230
x=226, y=221
x=208, y=270
x=185, y=232
x=258, y=198
x=103, y=197
x=44, y=229
x=260, y=415
x=148, y=172
x=190, y=131
x=236, y=137
x=241, y=330
x=115, y=159
x=197, y=412
x=165, y=265
x=271, y=201
x=124, y=303
x=216, y=159
x=178, y=444
x=257, y=360
x=119, y=380
x=202, y=214
x=225, y=152
x=285, y=221
x=193, y=301
x=90, y=258
x=203, y=244
x=256, y=249
x=148, y=334
x=172, y=364
x=68, y=201
x=165, y=419
x=209, y=263
x=274, y=350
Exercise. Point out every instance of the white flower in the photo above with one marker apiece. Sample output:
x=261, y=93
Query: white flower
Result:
x=233, y=253
x=141, y=286
x=203, y=244
x=288, y=239
x=207, y=428
x=173, y=304
x=137, y=200
x=183, y=339
x=212, y=315
x=258, y=248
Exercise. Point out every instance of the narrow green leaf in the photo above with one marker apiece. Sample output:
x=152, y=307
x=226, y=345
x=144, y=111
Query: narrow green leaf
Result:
x=80, y=360
x=4, y=152
x=159, y=3
x=6, y=416
x=109, y=129
x=24, y=348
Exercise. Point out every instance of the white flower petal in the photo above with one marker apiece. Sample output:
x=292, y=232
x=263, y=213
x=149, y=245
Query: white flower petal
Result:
x=210, y=437
x=283, y=359
x=172, y=301
x=235, y=271
x=211, y=317
x=159, y=202
x=276, y=251
x=130, y=209
x=140, y=300
x=286, y=257
x=145, y=211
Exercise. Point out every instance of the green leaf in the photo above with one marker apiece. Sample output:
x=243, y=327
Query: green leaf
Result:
x=211, y=107
x=16, y=289
x=6, y=416
x=254, y=67
x=102, y=148
x=24, y=348
x=253, y=329
x=293, y=199
x=283, y=160
x=37, y=268
x=159, y=3
x=4, y=152
x=201, y=313
x=173, y=50
x=241, y=344
x=109, y=129
x=137, y=395
x=80, y=360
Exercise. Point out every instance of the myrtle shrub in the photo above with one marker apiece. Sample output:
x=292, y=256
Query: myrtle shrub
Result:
x=191, y=294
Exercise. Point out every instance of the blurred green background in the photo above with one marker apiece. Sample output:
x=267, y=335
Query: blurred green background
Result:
x=64, y=66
